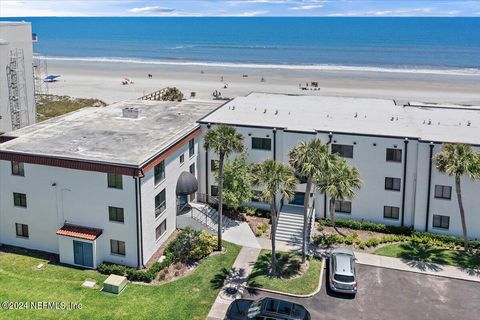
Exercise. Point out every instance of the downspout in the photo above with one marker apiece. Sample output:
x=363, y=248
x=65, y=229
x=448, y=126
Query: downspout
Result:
x=206, y=168
x=138, y=200
x=404, y=180
x=274, y=144
x=430, y=160
x=330, y=135
x=137, y=219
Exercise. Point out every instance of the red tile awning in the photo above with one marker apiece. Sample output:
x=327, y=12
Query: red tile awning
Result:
x=74, y=231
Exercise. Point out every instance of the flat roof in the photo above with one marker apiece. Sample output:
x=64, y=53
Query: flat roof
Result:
x=378, y=117
x=104, y=135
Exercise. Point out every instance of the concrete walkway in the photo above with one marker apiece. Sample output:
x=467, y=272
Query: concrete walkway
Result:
x=239, y=232
x=418, y=267
x=389, y=262
x=235, y=283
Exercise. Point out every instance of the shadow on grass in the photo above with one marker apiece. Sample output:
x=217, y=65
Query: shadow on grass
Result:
x=423, y=257
x=288, y=266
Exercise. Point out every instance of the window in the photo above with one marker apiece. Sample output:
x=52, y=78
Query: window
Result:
x=214, y=191
x=115, y=181
x=192, y=168
x=18, y=169
x=160, y=203
x=394, y=155
x=391, y=212
x=159, y=172
x=443, y=192
x=214, y=165
x=117, y=247
x=182, y=158
x=19, y=199
x=343, y=206
x=191, y=148
x=392, y=183
x=22, y=230
x=115, y=214
x=442, y=222
x=161, y=229
x=261, y=143
x=343, y=150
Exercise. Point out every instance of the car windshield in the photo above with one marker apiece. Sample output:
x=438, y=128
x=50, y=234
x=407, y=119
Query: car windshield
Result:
x=344, y=278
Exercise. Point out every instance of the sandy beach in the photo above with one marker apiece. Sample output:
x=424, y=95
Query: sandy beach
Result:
x=103, y=80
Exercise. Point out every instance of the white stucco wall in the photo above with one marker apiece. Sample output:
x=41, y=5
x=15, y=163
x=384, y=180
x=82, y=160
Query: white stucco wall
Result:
x=369, y=156
x=173, y=169
x=56, y=196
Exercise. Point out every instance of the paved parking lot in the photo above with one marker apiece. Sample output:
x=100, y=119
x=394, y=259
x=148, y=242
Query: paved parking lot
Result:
x=394, y=295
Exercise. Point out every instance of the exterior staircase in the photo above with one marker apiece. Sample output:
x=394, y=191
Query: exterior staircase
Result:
x=290, y=224
x=208, y=216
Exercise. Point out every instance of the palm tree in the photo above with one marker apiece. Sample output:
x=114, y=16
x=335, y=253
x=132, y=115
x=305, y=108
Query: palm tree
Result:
x=338, y=180
x=459, y=160
x=223, y=140
x=307, y=159
x=276, y=179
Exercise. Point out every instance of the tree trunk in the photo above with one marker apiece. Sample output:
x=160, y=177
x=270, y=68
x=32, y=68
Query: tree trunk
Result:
x=458, y=190
x=306, y=203
x=273, y=213
x=332, y=216
x=220, y=202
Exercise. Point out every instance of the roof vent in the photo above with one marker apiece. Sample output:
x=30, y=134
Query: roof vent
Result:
x=265, y=110
x=130, y=112
x=356, y=114
x=469, y=123
x=276, y=111
x=392, y=118
x=429, y=122
x=233, y=107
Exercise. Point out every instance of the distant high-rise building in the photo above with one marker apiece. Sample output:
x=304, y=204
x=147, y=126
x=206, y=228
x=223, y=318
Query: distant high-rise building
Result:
x=17, y=90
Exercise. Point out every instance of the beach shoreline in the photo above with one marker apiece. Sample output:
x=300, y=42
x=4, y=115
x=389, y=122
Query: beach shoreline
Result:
x=103, y=80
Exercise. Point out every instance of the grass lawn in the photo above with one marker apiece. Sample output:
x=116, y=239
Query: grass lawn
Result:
x=422, y=252
x=288, y=264
x=187, y=298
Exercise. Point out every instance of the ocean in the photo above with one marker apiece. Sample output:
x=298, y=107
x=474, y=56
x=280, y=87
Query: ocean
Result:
x=435, y=44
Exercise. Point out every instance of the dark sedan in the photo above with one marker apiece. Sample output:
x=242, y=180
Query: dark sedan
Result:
x=266, y=309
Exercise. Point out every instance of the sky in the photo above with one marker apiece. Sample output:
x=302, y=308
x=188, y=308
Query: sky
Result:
x=245, y=8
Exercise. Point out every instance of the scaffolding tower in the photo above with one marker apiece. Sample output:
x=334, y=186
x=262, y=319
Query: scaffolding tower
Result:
x=17, y=90
x=40, y=71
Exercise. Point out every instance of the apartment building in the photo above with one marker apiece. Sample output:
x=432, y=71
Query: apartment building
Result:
x=390, y=142
x=99, y=184
x=17, y=103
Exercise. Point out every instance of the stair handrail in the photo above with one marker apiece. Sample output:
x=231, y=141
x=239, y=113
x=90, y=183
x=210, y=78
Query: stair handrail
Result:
x=204, y=215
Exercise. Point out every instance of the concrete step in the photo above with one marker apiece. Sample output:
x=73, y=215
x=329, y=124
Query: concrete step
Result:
x=293, y=215
x=290, y=223
x=289, y=218
x=288, y=229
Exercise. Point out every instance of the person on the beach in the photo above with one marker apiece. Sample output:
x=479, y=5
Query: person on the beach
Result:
x=221, y=79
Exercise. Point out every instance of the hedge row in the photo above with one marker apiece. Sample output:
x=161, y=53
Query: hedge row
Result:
x=368, y=226
x=394, y=234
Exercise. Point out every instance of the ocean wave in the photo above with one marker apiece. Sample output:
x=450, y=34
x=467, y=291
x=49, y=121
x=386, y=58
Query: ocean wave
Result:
x=312, y=67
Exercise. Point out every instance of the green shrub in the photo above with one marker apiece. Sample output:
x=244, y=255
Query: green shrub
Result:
x=140, y=275
x=191, y=245
x=205, y=245
x=111, y=268
x=368, y=226
x=249, y=211
x=181, y=247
